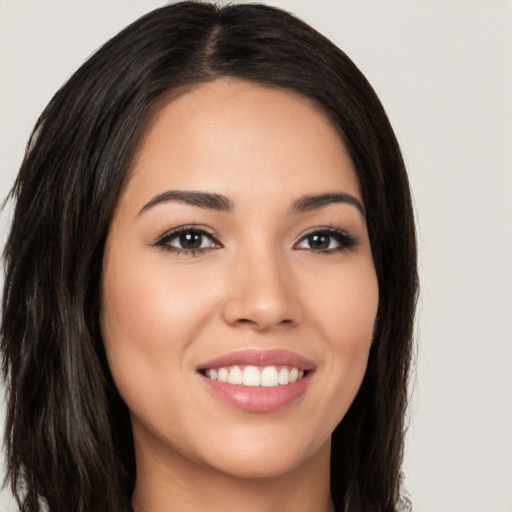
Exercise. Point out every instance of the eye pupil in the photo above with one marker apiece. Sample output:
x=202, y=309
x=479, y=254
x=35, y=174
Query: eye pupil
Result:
x=191, y=240
x=319, y=241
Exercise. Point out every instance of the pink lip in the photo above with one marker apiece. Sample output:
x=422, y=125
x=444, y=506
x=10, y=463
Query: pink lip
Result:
x=259, y=398
x=254, y=357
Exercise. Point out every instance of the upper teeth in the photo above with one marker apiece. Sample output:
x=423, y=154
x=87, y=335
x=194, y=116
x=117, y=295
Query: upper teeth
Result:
x=267, y=376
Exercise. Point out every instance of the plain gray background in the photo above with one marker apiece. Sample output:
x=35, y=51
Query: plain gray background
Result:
x=443, y=71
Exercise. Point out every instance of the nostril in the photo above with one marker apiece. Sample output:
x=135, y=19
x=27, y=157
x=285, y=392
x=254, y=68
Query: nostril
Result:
x=245, y=321
x=261, y=325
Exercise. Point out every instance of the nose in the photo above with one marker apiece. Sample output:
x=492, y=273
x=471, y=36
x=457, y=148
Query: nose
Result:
x=262, y=293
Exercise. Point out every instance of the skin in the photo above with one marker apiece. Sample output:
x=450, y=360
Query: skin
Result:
x=259, y=285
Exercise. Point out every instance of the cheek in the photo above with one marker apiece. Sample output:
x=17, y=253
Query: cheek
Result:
x=345, y=315
x=345, y=302
x=145, y=301
x=149, y=316
x=357, y=309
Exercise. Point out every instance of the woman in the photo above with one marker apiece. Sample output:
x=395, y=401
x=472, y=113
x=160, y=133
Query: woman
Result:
x=211, y=277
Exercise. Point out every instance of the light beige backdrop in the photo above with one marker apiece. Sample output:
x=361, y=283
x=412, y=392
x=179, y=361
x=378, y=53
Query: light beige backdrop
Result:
x=443, y=71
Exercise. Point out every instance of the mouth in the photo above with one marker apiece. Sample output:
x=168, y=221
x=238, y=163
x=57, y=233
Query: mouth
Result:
x=258, y=381
x=254, y=376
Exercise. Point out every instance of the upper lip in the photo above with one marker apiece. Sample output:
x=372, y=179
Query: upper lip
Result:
x=256, y=357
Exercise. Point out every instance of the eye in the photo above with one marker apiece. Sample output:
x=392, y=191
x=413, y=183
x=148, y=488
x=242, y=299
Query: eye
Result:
x=327, y=240
x=188, y=240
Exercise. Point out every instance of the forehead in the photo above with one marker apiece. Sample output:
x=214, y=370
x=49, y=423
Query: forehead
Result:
x=240, y=136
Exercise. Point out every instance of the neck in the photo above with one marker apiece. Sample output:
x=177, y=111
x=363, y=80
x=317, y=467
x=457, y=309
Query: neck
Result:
x=169, y=481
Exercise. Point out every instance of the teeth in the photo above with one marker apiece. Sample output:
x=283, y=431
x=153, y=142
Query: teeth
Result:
x=252, y=376
x=235, y=375
x=284, y=376
x=268, y=376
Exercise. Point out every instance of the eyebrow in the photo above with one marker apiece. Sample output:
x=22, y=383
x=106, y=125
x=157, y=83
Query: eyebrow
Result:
x=219, y=202
x=317, y=201
x=201, y=199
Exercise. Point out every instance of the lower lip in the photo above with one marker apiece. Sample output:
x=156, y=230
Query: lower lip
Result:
x=259, y=398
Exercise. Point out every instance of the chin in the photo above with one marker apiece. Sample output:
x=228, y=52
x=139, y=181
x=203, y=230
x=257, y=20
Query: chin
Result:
x=264, y=458
x=260, y=467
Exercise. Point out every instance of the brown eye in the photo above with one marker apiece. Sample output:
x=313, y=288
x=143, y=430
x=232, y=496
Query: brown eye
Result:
x=188, y=240
x=329, y=240
x=319, y=241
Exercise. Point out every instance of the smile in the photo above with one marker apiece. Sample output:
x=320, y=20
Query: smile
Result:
x=268, y=376
x=258, y=381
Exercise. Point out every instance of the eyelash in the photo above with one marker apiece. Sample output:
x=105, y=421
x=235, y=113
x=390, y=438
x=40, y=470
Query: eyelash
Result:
x=164, y=240
x=345, y=241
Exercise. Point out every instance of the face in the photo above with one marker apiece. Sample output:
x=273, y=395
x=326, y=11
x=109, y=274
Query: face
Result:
x=239, y=293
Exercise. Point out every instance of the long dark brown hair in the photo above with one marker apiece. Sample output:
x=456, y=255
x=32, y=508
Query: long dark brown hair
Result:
x=68, y=439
